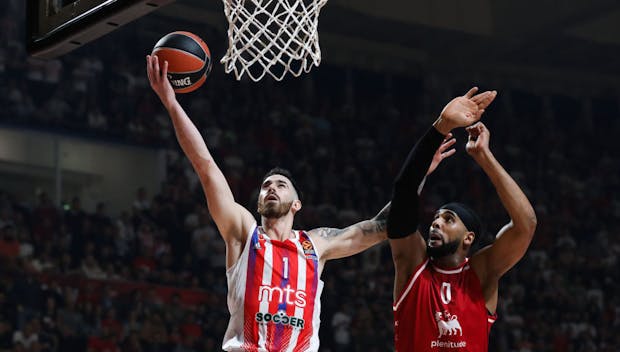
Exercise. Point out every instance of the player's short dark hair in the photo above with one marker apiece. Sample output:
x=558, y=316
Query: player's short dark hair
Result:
x=286, y=173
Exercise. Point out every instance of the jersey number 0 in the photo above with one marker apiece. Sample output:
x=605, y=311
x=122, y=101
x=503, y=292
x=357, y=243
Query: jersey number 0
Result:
x=446, y=293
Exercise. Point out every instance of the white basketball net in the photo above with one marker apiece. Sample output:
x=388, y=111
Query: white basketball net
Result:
x=272, y=37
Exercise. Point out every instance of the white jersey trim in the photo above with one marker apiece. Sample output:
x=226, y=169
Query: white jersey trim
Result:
x=410, y=286
x=453, y=271
x=236, y=286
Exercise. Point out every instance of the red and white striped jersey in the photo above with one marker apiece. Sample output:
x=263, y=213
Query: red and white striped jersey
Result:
x=442, y=310
x=274, y=292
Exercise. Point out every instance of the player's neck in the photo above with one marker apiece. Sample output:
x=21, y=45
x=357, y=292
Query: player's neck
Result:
x=449, y=261
x=279, y=229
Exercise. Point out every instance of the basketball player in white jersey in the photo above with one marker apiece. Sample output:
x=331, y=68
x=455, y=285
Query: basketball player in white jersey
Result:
x=273, y=271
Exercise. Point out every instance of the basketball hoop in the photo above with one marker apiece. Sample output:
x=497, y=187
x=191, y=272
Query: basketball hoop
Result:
x=272, y=37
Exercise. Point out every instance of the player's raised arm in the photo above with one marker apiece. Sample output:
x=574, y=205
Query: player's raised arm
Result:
x=338, y=243
x=232, y=220
x=407, y=244
x=408, y=251
x=513, y=239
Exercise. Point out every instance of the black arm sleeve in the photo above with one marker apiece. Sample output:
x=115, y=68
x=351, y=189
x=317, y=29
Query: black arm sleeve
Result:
x=404, y=214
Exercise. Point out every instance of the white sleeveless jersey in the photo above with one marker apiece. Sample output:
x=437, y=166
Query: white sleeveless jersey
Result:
x=274, y=292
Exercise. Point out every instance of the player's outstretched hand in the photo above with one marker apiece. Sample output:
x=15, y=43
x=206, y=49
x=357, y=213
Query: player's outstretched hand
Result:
x=465, y=110
x=158, y=78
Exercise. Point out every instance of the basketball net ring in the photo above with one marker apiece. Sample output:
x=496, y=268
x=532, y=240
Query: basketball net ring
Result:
x=272, y=37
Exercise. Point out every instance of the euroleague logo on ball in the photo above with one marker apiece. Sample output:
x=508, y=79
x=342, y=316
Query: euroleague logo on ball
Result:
x=189, y=60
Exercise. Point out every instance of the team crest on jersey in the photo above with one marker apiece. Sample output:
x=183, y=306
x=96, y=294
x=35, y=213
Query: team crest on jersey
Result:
x=448, y=324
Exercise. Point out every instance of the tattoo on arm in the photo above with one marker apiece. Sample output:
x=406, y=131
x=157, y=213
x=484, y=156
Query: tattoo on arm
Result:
x=376, y=224
x=369, y=227
x=329, y=232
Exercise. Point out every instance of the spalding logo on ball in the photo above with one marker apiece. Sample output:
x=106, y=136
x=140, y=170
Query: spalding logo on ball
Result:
x=189, y=60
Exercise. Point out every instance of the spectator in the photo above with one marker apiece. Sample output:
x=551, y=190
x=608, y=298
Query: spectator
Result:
x=341, y=325
x=27, y=338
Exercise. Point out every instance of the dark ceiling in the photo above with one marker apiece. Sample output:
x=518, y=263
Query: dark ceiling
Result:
x=576, y=35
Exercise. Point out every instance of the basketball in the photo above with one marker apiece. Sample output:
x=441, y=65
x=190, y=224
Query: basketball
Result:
x=189, y=60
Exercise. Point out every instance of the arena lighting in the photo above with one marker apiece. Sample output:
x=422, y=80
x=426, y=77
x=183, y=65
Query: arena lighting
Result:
x=56, y=27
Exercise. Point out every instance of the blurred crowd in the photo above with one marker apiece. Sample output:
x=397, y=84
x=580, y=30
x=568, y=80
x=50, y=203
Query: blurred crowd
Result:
x=152, y=278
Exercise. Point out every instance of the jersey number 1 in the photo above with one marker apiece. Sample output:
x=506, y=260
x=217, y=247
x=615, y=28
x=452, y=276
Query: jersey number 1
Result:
x=285, y=271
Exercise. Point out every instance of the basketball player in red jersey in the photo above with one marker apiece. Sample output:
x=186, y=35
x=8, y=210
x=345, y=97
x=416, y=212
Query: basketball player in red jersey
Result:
x=443, y=299
x=273, y=271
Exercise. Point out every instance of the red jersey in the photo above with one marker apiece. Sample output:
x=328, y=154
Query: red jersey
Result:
x=442, y=310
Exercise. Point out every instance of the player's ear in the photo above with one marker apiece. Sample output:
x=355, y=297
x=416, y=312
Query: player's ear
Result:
x=469, y=238
x=296, y=206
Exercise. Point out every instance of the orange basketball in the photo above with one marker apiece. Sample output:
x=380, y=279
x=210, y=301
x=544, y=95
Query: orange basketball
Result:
x=189, y=60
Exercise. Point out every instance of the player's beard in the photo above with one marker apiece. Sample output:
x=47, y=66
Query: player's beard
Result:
x=274, y=211
x=443, y=250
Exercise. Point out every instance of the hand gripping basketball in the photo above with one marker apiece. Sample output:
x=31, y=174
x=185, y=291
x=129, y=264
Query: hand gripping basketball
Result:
x=189, y=60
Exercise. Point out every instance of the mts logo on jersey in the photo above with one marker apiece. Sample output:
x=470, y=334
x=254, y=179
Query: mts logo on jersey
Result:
x=282, y=295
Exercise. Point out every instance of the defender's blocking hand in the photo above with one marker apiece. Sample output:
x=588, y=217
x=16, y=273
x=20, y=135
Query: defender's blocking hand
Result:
x=442, y=152
x=464, y=111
